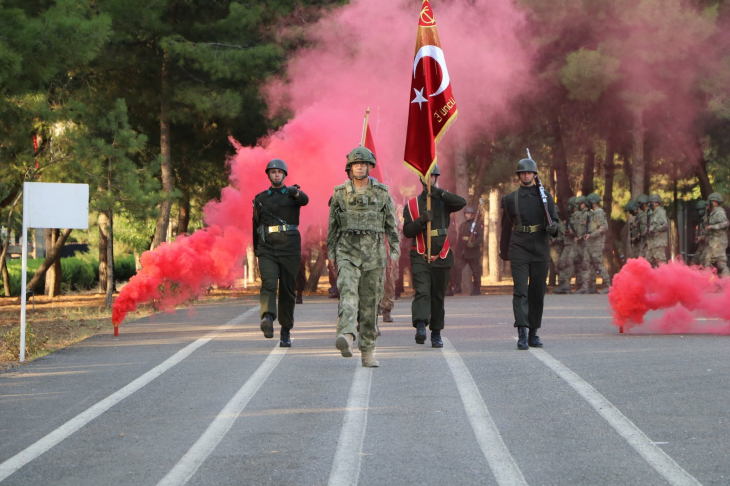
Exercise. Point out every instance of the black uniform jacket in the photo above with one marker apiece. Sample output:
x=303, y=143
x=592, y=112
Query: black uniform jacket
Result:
x=520, y=246
x=442, y=207
x=462, y=248
x=270, y=208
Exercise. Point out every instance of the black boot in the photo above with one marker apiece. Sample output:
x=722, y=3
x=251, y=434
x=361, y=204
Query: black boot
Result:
x=533, y=340
x=299, y=298
x=477, y=287
x=284, y=338
x=436, y=341
x=267, y=325
x=420, y=332
x=521, y=338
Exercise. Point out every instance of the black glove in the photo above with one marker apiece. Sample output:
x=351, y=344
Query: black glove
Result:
x=504, y=256
x=552, y=229
x=426, y=216
x=436, y=191
x=293, y=191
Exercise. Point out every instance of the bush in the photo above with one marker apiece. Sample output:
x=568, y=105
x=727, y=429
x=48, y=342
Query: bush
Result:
x=11, y=342
x=124, y=268
x=77, y=274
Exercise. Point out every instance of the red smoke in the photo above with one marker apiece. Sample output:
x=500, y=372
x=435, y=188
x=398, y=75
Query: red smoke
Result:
x=685, y=292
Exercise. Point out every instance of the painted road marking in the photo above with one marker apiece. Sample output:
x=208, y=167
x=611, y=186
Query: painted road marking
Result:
x=654, y=455
x=186, y=467
x=348, y=456
x=25, y=456
x=503, y=466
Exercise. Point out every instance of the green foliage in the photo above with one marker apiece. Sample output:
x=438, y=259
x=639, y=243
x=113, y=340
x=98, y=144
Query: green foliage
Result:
x=124, y=268
x=11, y=342
x=587, y=74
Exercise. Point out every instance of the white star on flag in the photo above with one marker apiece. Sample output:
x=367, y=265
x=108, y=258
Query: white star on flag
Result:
x=419, y=97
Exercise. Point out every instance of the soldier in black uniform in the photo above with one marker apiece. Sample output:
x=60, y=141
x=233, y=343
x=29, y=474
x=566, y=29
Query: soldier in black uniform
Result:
x=278, y=246
x=430, y=279
x=525, y=243
x=469, y=250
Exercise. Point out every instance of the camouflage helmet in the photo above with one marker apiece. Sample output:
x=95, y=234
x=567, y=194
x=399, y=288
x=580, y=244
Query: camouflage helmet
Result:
x=526, y=165
x=715, y=196
x=580, y=200
x=642, y=199
x=361, y=154
x=701, y=204
x=469, y=209
x=632, y=206
x=571, y=203
x=593, y=198
x=655, y=198
x=277, y=164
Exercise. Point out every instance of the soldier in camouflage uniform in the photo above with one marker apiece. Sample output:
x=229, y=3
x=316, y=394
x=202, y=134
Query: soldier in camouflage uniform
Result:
x=557, y=243
x=362, y=214
x=700, y=234
x=391, y=275
x=579, y=222
x=632, y=230
x=596, y=241
x=643, y=217
x=717, y=224
x=566, y=264
x=657, y=239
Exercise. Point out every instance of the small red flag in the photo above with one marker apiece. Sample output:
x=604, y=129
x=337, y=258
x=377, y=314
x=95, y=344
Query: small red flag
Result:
x=370, y=145
x=432, y=107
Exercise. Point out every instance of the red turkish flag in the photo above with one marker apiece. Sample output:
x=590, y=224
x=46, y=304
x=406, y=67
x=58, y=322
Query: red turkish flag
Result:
x=432, y=108
x=370, y=145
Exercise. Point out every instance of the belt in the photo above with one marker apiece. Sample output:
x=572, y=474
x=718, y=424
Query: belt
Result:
x=527, y=229
x=438, y=232
x=281, y=228
x=465, y=238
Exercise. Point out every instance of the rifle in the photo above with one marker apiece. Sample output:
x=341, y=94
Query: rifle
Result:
x=543, y=196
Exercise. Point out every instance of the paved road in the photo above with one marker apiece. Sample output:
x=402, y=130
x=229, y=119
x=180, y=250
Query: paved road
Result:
x=201, y=397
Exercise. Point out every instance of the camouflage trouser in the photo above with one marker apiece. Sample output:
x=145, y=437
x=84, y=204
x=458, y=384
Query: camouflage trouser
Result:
x=642, y=248
x=594, y=254
x=720, y=262
x=360, y=292
x=699, y=257
x=556, y=251
x=656, y=255
x=633, y=250
x=391, y=275
x=573, y=264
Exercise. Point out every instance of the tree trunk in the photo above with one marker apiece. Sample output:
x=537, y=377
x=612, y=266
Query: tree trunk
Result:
x=461, y=174
x=166, y=151
x=479, y=180
x=110, y=259
x=319, y=265
x=589, y=171
x=103, y=221
x=494, y=207
x=6, y=245
x=51, y=254
x=183, y=215
x=696, y=156
x=609, y=170
x=638, y=165
x=560, y=164
x=53, y=275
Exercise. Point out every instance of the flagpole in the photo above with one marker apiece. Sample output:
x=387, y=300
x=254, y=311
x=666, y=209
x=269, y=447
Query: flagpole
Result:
x=365, y=127
x=428, y=225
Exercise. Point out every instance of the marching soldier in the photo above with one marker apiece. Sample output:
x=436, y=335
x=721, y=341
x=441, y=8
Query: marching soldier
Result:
x=579, y=222
x=596, y=241
x=643, y=218
x=469, y=250
x=525, y=243
x=278, y=246
x=430, y=279
x=716, y=228
x=632, y=230
x=700, y=234
x=566, y=264
x=657, y=239
x=362, y=214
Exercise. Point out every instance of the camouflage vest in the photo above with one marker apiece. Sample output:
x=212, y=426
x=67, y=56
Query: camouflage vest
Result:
x=362, y=212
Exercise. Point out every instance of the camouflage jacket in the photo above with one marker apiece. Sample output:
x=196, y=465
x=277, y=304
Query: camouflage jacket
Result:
x=359, y=223
x=568, y=233
x=633, y=225
x=643, y=220
x=658, y=229
x=579, y=220
x=716, y=229
x=598, y=227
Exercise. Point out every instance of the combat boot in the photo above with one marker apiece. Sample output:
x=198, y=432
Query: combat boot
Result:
x=299, y=298
x=561, y=289
x=420, y=332
x=477, y=290
x=521, y=338
x=605, y=289
x=533, y=340
x=267, y=325
x=284, y=338
x=344, y=344
x=592, y=290
x=386, y=316
x=436, y=341
x=583, y=289
x=368, y=359
x=457, y=290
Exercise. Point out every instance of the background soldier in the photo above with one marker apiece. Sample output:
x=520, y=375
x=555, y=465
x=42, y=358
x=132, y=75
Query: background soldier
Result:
x=643, y=217
x=579, y=222
x=391, y=275
x=596, y=241
x=700, y=234
x=361, y=215
x=525, y=243
x=278, y=246
x=716, y=228
x=566, y=263
x=430, y=279
x=631, y=230
x=469, y=250
x=657, y=239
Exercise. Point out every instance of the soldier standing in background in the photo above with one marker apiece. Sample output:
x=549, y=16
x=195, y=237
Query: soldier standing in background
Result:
x=566, y=264
x=430, y=279
x=278, y=246
x=525, y=243
x=700, y=234
x=362, y=214
x=631, y=230
x=557, y=244
x=643, y=218
x=469, y=249
x=391, y=275
x=579, y=222
x=596, y=241
x=657, y=239
x=716, y=228
x=453, y=235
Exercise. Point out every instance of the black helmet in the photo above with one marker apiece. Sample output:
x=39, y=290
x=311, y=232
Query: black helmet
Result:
x=526, y=165
x=277, y=164
x=436, y=170
x=469, y=209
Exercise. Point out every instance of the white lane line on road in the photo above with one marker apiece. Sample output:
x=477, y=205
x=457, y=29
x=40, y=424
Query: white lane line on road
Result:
x=348, y=456
x=196, y=455
x=503, y=466
x=655, y=456
x=25, y=456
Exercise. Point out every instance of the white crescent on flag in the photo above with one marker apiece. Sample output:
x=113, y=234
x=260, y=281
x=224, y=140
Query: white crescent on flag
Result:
x=437, y=55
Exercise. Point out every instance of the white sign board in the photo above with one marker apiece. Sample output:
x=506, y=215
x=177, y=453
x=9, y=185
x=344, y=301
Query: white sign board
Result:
x=49, y=205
